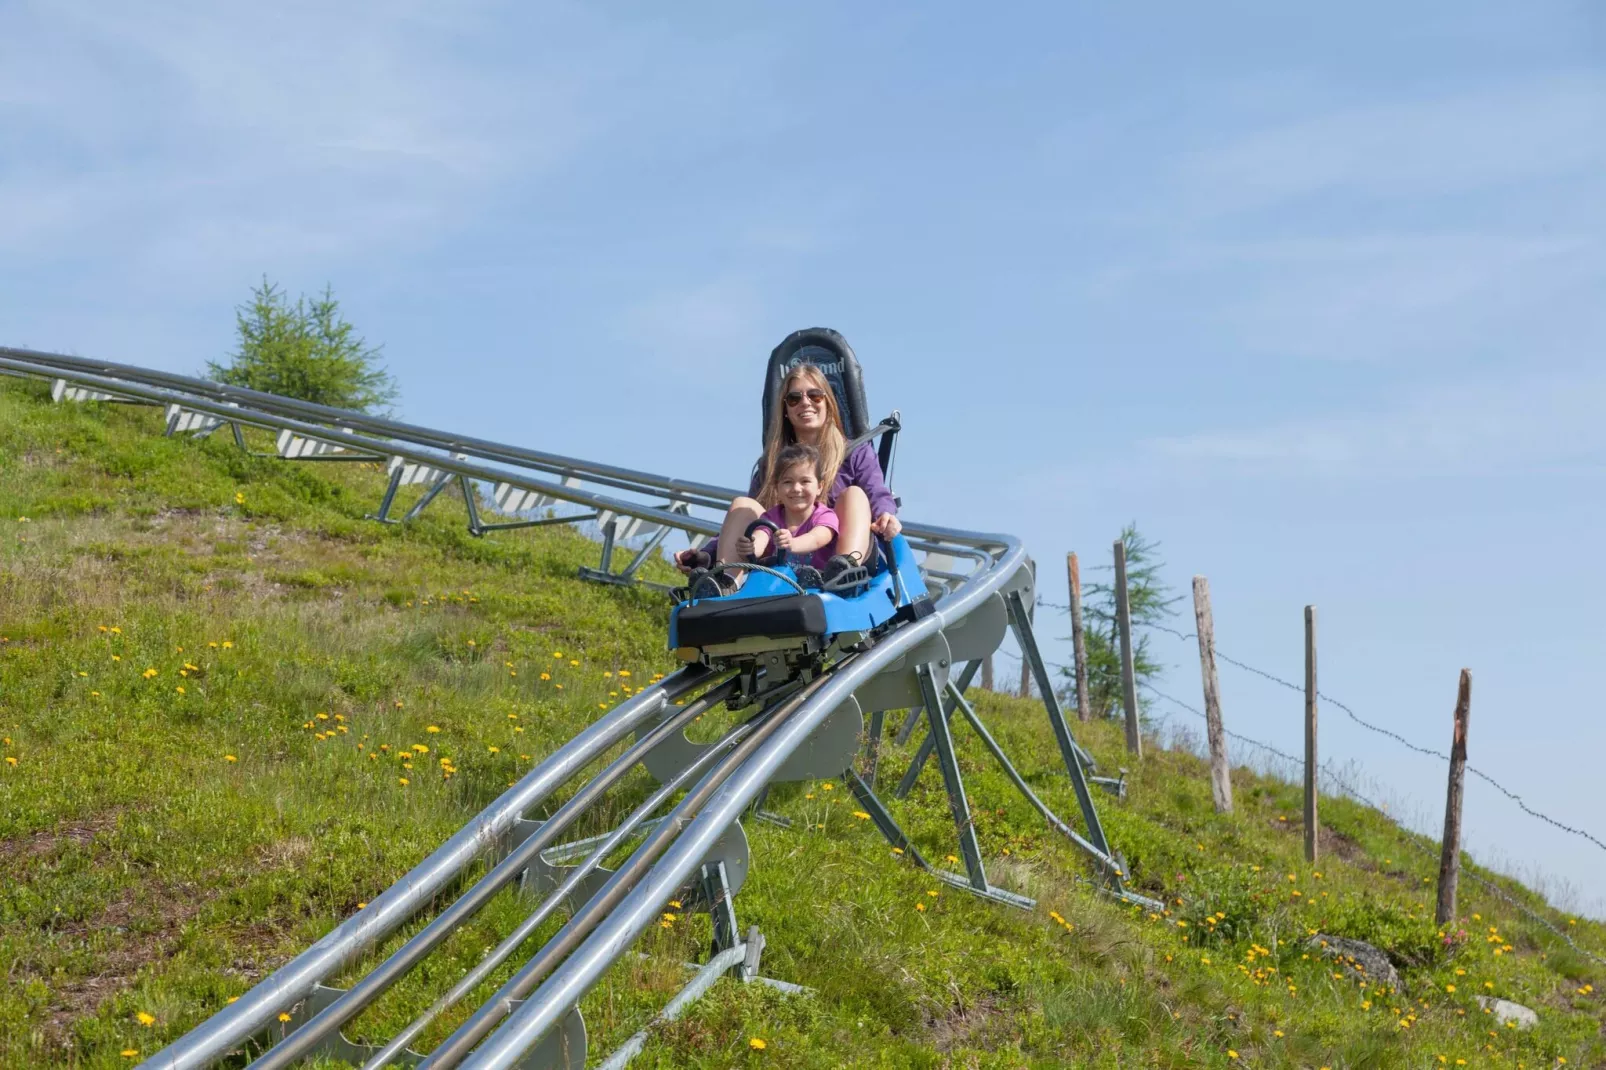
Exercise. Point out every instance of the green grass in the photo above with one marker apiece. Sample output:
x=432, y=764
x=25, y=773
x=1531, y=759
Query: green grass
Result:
x=142, y=871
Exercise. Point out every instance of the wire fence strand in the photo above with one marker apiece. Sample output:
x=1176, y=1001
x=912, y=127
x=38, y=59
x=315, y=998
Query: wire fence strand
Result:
x=1429, y=752
x=1412, y=840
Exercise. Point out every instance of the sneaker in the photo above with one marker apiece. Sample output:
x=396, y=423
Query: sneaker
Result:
x=808, y=576
x=842, y=571
x=712, y=585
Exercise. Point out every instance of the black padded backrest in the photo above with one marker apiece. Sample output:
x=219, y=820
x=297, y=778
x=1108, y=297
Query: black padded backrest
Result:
x=830, y=352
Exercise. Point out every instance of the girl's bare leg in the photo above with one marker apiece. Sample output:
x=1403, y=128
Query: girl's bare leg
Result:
x=743, y=511
x=853, y=513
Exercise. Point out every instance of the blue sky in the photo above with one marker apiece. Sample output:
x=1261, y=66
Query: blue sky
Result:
x=1313, y=296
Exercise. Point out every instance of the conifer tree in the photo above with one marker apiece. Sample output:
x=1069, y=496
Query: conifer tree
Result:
x=305, y=350
x=1150, y=601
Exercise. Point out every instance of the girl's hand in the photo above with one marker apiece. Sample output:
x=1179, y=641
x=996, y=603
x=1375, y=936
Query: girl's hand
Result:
x=886, y=525
x=744, y=546
x=783, y=539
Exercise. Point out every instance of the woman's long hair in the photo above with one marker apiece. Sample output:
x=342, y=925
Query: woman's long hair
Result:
x=832, y=445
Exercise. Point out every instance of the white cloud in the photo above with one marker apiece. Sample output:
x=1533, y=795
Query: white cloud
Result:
x=201, y=139
x=1466, y=428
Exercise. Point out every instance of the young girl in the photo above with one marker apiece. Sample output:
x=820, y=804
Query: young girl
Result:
x=805, y=528
x=805, y=412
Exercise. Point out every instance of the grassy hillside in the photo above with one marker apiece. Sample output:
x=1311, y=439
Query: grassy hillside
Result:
x=213, y=672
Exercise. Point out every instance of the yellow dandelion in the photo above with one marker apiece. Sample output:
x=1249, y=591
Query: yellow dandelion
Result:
x=10, y=760
x=130, y=1053
x=180, y=690
x=494, y=750
x=230, y=758
x=546, y=676
x=1231, y=1054
x=432, y=729
x=403, y=781
x=145, y=1018
x=920, y=907
x=228, y=644
x=624, y=672
x=756, y=1044
x=573, y=661
x=283, y=1016
x=861, y=815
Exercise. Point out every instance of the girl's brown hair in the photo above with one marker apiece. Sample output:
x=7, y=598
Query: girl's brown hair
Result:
x=790, y=457
x=832, y=447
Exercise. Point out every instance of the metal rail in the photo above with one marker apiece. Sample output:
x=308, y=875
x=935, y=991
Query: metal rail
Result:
x=516, y=1027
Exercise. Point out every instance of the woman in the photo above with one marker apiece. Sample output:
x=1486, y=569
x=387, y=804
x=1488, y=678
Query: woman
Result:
x=806, y=412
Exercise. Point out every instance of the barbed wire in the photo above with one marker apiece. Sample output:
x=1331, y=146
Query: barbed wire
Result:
x=1411, y=840
x=1353, y=716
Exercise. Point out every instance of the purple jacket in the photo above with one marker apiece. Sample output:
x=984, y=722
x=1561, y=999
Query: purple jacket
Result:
x=861, y=469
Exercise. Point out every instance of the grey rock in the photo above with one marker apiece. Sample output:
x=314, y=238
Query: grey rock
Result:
x=1506, y=1011
x=1374, y=965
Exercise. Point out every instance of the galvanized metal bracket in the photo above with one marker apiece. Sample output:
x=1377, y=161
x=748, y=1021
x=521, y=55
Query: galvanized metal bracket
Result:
x=549, y=870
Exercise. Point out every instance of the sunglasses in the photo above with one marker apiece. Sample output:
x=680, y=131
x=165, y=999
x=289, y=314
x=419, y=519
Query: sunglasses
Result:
x=795, y=397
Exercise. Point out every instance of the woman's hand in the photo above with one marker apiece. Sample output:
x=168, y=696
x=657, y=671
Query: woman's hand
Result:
x=680, y=561
x=886, y=525
x=744, y=546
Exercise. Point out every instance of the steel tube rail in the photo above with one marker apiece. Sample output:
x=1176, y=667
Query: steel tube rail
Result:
x=626, y=921
x=370, y=445
x=379, y=979
x=553, y=462
x=457, y=1046
x=257, y=1009
x=116, y=378
x=526, y=928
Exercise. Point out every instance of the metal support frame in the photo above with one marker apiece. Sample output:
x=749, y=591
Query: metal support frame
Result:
x=878, y=727
x=717, y=898
x=918, y=765
x=888, y=826
x=604, y=573
x=910, y=722
x=958, y=805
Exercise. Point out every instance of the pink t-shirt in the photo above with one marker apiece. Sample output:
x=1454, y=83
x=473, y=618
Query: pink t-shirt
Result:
x=820, y=518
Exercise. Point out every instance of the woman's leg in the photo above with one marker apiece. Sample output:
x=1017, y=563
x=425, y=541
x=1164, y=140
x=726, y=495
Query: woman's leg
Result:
x=743, y=511
x=853, y=513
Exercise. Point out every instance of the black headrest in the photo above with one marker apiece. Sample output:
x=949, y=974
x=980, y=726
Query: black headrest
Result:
x=830, y=352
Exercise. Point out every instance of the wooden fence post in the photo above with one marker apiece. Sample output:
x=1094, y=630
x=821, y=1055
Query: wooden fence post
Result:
x=987, y=673
x=1025, y=677
x=1450, y=856
x=1220, y=771
x=1311, y=780
x=1084, y=708
x=1129, y=685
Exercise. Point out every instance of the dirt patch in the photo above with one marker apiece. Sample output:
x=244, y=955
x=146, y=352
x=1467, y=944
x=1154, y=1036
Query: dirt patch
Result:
x=24, y=852
x=961, y=1025
x=158, y=912
x=1332, y=844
